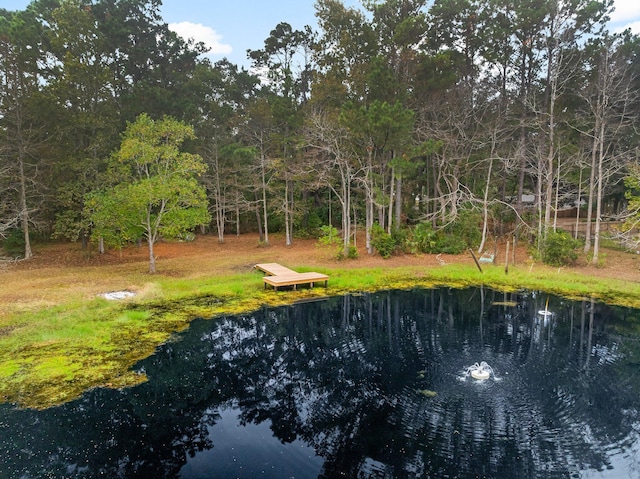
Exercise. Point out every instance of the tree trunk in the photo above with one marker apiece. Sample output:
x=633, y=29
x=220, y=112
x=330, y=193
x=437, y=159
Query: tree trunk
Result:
x=264, y=199
x=391, y=191
x=521, y=174
x=287, y=214
x=24, y=219
x=592, y=190
x=368, y=223
x=346, y=213
x=369, y=204
x=220, y=212
x=398, y=204
x=485, y=209
x=575, y=236
x=599, y=195
x=259, y=222
x=152, y=258
x=330, y=220
x=555, y=207
x=539, y=201
x=455, y=189
x=549, y=173
x=237, y=215
x=24, y=211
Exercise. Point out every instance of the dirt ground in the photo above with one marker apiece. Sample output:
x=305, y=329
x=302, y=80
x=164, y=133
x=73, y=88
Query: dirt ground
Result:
x=59, y=272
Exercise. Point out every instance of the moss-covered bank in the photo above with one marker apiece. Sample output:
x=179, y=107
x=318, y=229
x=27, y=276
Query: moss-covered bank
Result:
x=52, y=356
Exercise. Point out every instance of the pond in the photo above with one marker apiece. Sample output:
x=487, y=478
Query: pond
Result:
x=371, y=385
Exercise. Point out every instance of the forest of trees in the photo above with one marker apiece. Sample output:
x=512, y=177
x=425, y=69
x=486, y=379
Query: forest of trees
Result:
x=402, y=119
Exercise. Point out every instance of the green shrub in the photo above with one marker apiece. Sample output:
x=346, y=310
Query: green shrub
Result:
x=329, y=236
x=352, y=253
x=559, y=248
x=453, y=238
x=466, y=229
x=382, y=241
x=423, y=238
x=400, y=238
x=14, y=244
x=308, y=226
x=449, y=243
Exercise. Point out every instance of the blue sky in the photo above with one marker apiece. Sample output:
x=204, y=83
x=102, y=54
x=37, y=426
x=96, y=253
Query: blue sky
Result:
x=229, y=28
x=232, y=27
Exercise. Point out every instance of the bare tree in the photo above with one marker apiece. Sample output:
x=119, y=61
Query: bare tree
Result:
x=9, y=216
x=458, y=128
x=329, y=146
x=258, y=130
x=19, y=135
x=609, y=99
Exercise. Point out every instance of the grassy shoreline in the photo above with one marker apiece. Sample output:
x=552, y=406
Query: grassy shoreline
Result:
x=53, y=355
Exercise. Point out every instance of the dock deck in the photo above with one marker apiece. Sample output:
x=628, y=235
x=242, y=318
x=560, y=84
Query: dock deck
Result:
x=278, y=276
x=274, y=269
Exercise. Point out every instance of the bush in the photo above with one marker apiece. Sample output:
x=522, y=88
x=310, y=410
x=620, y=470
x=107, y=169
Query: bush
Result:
x=382, y=241
x=454, y=238
x=423, y=238
x=559, y=249
x=308, y=226
x=467, y=230
x=449, y=243
x=400, y=237
x=329, y=236
x=352, y=253
x=14, y=244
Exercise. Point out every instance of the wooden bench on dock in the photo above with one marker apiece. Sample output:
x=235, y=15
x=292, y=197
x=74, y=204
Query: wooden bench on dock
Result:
x=278, y=275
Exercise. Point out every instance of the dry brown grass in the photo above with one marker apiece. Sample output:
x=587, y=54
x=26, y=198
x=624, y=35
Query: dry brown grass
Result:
x=60, y=273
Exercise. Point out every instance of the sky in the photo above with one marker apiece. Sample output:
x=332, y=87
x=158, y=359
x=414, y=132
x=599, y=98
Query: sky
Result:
x=230, y=27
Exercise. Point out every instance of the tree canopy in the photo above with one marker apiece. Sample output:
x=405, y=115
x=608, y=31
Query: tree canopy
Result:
x=155, y=190
x=395, y=115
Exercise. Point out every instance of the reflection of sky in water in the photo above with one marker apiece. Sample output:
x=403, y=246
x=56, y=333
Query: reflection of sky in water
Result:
x=250, y=451
x=361, y=386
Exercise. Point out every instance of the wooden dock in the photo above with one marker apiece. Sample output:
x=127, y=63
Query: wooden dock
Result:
x=274, y=269
x=278, y=276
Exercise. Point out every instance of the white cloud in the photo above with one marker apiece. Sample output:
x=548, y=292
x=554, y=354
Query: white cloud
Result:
x=626, y=11
x=633, y=26
x=625, y=16
x=621, y=26
x=204, y=34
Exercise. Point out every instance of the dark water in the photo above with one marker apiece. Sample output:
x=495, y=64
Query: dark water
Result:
x=362, y=386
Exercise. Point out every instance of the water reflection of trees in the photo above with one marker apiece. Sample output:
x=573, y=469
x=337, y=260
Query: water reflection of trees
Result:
x=353, y=377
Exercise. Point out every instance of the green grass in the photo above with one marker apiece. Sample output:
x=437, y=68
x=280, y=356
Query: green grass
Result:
x=54, y=355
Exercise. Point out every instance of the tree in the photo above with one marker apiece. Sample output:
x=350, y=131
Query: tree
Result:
x=330, y=147
x=568, y=22
x=258, y=132
x=152, y=66
x=632, y=194
x=225, y=93
x=155, y=191
x=227, y=181
x=286, y=59
x=19, y=133
x=80, y=86
x=383, y=130
x=610, y=99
